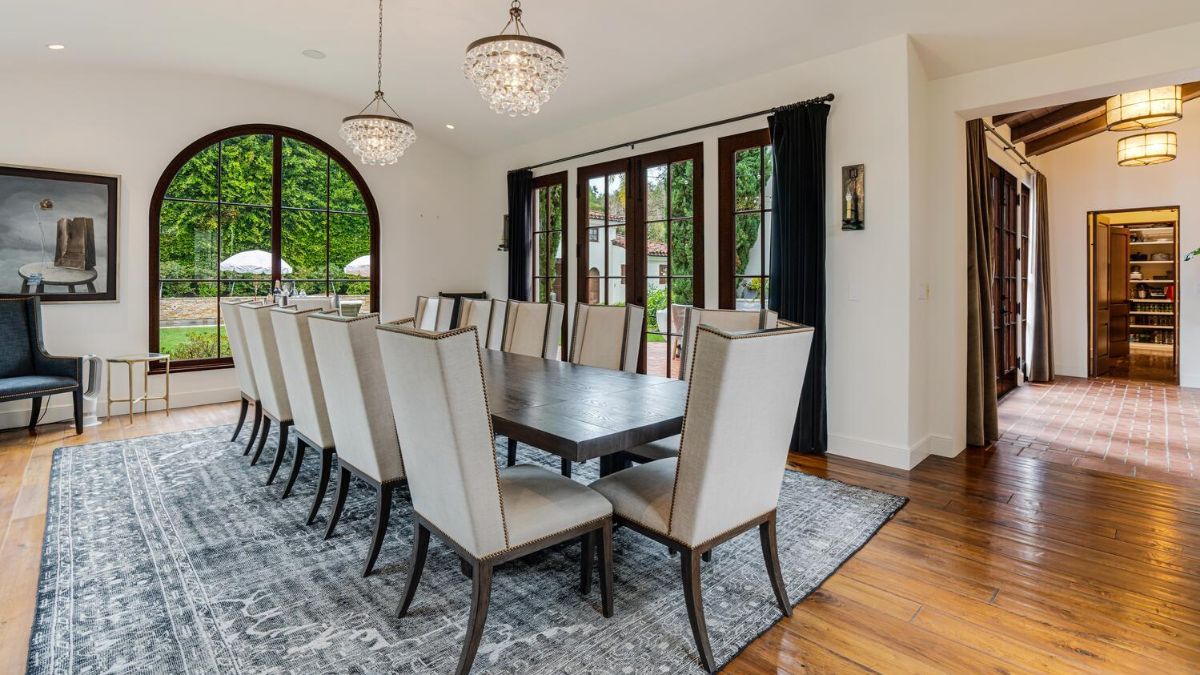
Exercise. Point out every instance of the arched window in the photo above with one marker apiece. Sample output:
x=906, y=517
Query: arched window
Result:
x=242, y=210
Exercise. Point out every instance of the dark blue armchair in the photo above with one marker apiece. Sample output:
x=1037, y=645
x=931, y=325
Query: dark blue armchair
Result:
x=26, y=370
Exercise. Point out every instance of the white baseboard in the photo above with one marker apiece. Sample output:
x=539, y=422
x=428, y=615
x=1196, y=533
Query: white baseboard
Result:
x=61, y=409
x=895, y=456
x=1189, y=380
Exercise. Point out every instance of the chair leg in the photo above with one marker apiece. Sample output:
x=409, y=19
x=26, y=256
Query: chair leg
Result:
x=326, y=465
x=587, y=548
x=606, y=569
x=35, y=412
x=415, y=566
x=339, y=500
x=512, y=452
x=766, y=534
x=690, y=564
x=383, y=512
x=262, y=439
x=566, y=468
x=707, y=557
x=296, y=460
x=258, y=418
x=241, y=420
x=77, y=399
x=481, y=591
x=280, y=451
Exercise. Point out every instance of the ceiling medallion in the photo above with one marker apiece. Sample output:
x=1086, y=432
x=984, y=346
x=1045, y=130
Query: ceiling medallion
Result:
x=377, y=137
x=515, y=72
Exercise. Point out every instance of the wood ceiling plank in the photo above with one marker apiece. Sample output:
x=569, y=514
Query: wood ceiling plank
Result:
x=1066, y=116
x=1065, y=137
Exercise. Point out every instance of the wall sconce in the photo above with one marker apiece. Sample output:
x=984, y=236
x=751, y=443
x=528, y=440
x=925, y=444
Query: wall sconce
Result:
x=503, y=235
x=854, y=204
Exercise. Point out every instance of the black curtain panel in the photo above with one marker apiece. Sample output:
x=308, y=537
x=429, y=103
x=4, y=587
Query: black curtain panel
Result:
x=797, y=283
x=520, y=232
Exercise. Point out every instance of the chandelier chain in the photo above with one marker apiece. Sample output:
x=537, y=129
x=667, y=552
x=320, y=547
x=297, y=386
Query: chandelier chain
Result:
x=379, y=56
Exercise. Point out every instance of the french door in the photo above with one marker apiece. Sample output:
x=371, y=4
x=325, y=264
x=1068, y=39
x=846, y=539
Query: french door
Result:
x=641, y=242
x=1007, y=237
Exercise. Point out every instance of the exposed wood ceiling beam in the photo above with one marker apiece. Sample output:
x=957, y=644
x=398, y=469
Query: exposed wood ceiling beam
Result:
x=1058, y=120
x=1087, y=128
x=998, y=120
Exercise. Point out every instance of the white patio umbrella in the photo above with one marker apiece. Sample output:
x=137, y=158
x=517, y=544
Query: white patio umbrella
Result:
x=359, y=267
x=253, y=262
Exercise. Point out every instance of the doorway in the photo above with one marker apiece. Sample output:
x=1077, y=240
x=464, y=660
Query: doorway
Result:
x=1133, y=306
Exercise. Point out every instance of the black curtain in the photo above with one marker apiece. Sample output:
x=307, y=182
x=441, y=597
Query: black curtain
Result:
x=797, y=289
x=520, y=232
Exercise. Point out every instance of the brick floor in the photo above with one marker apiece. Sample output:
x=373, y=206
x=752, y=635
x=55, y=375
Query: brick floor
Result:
x=1134, y=428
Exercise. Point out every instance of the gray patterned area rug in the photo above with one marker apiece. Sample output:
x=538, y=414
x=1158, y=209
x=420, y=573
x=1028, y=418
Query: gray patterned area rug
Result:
x=167, y=554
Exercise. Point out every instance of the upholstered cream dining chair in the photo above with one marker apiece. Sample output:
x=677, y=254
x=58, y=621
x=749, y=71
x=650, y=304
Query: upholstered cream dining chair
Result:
x=360, y=415
x=723, y=319
x=607, y=336
x=433, y=313
x=533, y=328
x=242, y=368
x=268, y=378
x=477, y=312
x=494, y=338
x=309, y=415
x=486, y=515
x=741, y=410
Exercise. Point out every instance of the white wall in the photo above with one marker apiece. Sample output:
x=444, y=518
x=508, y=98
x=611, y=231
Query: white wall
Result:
x=133, y=123
x=1084, y=177
x=868, y=296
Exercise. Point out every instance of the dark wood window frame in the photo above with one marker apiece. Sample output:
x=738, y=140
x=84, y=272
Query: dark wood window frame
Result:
x=277, y=133
x=727, y=149
x=635, y=224
x=543, y=183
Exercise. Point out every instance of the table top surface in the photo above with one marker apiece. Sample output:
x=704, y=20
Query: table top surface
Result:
x=579, y=412
x=57, y=275
x=139, y=358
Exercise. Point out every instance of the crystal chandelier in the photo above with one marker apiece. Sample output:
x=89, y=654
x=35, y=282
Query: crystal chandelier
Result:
x=515, y=73
x=375, y=136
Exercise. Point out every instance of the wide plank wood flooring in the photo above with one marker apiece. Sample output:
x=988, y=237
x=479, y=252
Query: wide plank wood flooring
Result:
x=998, y=563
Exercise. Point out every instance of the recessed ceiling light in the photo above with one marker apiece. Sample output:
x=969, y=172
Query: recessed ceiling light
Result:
x=56, y=46
x=314, y=53
x=450, y=126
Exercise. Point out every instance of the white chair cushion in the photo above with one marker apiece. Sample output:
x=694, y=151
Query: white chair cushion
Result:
x=663, y=448
x=642, y=494
x=539, y=503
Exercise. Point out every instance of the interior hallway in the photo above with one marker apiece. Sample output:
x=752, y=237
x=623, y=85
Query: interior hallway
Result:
x=1134, y=428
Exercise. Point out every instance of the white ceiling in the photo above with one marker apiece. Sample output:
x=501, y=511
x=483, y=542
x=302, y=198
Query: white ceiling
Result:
x=622, y=54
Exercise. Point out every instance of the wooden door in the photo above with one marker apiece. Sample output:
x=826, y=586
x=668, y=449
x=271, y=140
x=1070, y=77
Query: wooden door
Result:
x=1006, y=306
x=641, y=241
x=1099, y=281
x=1118, y=292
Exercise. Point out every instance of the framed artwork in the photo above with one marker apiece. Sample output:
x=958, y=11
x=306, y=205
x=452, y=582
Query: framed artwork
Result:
x=59, y=230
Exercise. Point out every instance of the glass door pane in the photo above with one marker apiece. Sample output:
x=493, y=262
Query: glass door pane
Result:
x=605, y=250
x=668, y=247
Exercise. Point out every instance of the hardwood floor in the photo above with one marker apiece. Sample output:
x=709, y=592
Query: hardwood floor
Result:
x=998, y=563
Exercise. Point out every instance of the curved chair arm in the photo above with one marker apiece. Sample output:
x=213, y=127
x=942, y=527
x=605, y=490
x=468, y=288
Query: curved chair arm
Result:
x=62, y=366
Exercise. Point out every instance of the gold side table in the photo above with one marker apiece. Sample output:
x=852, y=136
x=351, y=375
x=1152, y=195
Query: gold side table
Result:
x=130, y=361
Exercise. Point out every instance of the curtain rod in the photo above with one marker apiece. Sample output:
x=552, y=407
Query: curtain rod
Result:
x=1009, y=147
x=729, y=120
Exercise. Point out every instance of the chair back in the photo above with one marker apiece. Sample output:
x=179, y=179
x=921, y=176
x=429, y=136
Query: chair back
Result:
x=264, y=358
x=356, y=395
x=533, y=328
x=742, y=402
x=475, y=312
x=722, y=319
x=294, y=341
x=20, y=333
x=607, y=336
x=232, y=318
x=433, y=314
x=494, y=338
x=440, y=404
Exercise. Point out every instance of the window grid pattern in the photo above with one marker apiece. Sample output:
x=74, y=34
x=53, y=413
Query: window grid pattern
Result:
x=753, y=170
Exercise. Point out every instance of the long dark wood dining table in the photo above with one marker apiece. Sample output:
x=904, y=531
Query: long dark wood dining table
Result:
x=579, y=412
